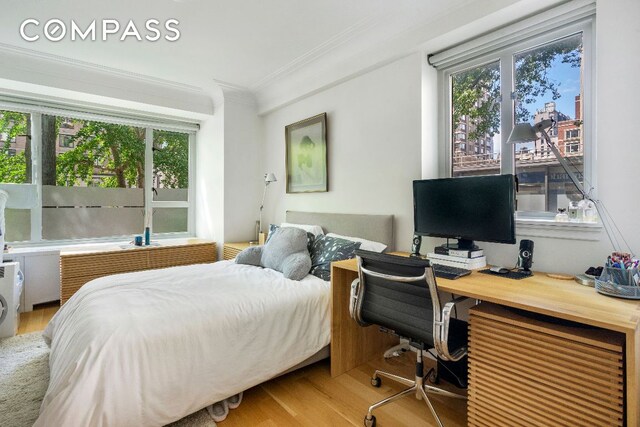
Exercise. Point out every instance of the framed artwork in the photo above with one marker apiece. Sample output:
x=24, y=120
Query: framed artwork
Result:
x=306, y=155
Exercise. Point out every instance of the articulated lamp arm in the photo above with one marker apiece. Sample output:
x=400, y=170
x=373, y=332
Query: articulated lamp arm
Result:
x=563, y=162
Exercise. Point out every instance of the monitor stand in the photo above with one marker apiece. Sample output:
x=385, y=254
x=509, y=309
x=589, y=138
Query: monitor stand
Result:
x=462, y=244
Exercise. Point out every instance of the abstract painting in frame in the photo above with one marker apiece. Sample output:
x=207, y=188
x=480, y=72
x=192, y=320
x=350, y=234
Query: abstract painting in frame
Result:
x=306, y=155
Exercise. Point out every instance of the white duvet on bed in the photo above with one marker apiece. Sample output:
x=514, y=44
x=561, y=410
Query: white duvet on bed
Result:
x=148, y=348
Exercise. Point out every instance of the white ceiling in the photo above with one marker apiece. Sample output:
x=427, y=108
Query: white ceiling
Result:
x=247, y=43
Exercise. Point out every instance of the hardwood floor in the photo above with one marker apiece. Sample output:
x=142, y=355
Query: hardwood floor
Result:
x=36, y=320
x=310, y=397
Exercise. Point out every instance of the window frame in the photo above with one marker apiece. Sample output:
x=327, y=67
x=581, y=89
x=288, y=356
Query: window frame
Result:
x=149, y=125
x=505, y=56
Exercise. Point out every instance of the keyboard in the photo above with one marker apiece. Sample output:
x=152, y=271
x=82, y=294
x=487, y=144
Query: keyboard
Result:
x=446, y=272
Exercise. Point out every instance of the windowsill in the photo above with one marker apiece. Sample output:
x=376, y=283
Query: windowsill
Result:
x=544, y=227
x=91, y=245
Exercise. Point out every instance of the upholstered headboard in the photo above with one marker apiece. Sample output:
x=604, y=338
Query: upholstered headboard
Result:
x=378, y=228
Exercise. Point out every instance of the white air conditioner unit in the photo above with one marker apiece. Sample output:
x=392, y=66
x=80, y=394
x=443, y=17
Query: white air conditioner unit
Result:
x=11, y=283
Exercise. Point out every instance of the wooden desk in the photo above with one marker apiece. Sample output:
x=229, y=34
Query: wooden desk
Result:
x=352, y=345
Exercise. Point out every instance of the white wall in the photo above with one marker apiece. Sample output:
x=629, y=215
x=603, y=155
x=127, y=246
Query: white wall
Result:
x=374, y=137
x=243, y=176
x=228, y=170
x=618, y=156
x=379, y=142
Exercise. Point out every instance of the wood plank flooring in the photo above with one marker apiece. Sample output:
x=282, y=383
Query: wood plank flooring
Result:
x=310, y=397
x=36, y=320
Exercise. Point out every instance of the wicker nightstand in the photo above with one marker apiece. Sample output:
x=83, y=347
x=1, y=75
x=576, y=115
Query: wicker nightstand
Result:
x=232, y=249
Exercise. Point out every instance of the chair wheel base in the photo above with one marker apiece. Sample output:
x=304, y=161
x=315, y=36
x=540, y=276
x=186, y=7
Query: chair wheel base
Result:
x=370, y=422
x=433, y=377
x=376, y=382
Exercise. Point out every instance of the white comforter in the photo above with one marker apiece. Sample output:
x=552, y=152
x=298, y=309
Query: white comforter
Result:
x=148, y=348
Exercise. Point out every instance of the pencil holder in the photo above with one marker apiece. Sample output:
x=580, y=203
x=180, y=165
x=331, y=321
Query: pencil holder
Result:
x=620, y=283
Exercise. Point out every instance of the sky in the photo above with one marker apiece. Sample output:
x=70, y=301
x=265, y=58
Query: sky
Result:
x=568, y=80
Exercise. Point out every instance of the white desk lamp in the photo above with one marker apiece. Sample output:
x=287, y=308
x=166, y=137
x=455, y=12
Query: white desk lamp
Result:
x=525, y=132
x=268, y=179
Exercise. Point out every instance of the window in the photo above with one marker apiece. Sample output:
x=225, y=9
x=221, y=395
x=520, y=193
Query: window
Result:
x=548, y=85
x=95, y=189
x=170, y=181
x=66, y=141
x=15, y=152
x=573, y=133
x=99, y=179
x=573, y=148
x=527, y=80
x=474, y=92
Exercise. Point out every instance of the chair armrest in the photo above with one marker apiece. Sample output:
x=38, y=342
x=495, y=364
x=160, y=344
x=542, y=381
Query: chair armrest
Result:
x=442, y=337
x=355, y=304
x=353, y=298
x=446, y=310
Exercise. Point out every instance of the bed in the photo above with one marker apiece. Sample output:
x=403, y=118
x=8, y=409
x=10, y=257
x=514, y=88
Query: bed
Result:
x=151, y=347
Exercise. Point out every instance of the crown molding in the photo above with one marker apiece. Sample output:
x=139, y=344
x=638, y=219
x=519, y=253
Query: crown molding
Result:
x=355, y=30
x=239, y=94
x=439, y=31
x=45, y=75
x=116, y=72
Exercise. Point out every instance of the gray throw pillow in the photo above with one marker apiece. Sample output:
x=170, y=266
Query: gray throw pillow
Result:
x=278, y=251
x=251, y=256
x=286, y=251
x=310, y=236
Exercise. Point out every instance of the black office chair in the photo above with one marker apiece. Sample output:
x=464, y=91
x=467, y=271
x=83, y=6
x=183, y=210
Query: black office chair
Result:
x=400, y=295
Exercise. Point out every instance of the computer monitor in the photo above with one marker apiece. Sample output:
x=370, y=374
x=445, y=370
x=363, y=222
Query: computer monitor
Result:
x=466, y=208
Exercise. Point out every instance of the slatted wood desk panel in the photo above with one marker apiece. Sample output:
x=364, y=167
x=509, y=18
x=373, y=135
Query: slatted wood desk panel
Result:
x=524, y=371
x=539, y=294
x=79, y=268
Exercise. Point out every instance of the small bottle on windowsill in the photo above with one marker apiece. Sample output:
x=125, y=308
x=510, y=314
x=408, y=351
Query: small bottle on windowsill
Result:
x=562, y=215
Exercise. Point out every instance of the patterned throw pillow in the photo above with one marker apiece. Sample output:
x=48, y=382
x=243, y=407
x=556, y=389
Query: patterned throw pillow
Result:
x=310, y=236
x=328, y=249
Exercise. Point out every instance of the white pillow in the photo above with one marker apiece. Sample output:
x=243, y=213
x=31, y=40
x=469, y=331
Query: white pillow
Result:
x=316, y=230
x=367, y=245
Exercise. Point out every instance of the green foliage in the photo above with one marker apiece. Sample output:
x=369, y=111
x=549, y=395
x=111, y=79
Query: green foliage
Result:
x=104, y=154
x=532, y=67
x=476, y=92
x=103, y=149
x=12, y=124
x=171, y=158
x=12, y=168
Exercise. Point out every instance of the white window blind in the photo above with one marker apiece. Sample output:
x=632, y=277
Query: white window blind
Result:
x=560, y=16
x=100, y=114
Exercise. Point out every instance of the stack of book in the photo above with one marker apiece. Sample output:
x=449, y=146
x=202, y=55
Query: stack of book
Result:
x=468, y=259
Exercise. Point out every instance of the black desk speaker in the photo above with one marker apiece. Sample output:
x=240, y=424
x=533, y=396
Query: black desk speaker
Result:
x=415, y=247
x=525, y=255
